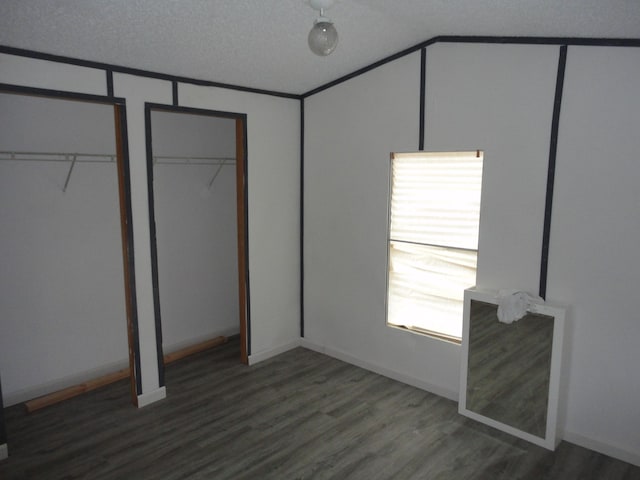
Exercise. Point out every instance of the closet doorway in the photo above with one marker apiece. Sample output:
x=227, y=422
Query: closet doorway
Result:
x=66, y=300
x=197, y=192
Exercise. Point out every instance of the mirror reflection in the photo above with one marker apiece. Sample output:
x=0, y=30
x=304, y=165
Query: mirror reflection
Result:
x=509, y=368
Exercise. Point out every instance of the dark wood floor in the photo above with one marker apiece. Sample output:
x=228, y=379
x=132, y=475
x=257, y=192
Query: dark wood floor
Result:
x=300, y=415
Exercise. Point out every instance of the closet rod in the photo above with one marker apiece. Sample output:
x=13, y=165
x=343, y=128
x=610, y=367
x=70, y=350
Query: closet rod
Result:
x=176, y=160
x=73, y=158
x=109, y=157
x=219, y=161
x=57, y=157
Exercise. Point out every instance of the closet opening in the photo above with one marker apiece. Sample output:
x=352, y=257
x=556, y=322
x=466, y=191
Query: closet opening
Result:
x=67, y=291
x=196, y=167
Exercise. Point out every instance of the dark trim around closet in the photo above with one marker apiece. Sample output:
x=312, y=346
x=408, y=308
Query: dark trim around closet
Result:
x=247, y=286
x=3, y=429
x=148, y=108
x=130, y=259
x=61, y=94
x=302, y=217
x=153, y=245
x=130, y=253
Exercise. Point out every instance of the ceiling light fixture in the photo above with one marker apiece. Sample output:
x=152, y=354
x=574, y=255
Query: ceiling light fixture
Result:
x=323, y=37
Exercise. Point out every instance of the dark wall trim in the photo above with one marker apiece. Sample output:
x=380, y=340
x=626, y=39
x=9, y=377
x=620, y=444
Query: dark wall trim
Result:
x=138, y=72
x=130, y=249
x=553, y=147
x=148, y=108
x=109, y=83
x=423, y=86
x=153, y=245
x=194, y=111
x=41, y=92
x=302, y=217
x=174, y=92
x=246, y=229
x=366, y=69
x=3, y=429
x=602, y=42
x=605, y=42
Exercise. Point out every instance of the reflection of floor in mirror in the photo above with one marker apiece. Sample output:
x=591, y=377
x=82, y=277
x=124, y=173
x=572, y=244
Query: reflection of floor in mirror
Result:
x=508, y=369
x=298, y=415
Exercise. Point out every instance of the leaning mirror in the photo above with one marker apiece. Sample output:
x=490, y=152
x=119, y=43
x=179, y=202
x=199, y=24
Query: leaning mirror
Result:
x=510, y=373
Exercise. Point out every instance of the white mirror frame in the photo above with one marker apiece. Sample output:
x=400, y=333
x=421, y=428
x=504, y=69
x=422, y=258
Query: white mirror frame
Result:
x=551, y=438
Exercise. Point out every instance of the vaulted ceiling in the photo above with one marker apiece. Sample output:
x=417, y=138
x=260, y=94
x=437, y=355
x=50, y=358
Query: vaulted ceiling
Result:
x=263, y=43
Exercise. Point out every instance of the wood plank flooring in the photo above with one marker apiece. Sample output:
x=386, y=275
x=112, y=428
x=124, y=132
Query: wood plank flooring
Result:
x=300, y=415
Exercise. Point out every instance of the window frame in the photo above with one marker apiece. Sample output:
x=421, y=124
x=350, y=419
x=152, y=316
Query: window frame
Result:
x=416, y=329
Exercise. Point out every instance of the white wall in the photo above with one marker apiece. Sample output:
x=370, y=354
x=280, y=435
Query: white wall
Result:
x=594, y=266
x=497, y=98
x=51, y=75
x=195, y=229
x=46, y=124
x=61, y=283
x=137, y=91
x=351, y=129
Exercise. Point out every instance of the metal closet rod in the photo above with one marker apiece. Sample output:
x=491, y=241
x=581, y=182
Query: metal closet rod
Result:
x=172, y=160
x=73, y=158
x=58, y=157
x=177, y=160
x=110, y=157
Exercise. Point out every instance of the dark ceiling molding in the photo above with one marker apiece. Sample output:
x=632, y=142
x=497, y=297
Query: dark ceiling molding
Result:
x=601, y=42
x=44, y=92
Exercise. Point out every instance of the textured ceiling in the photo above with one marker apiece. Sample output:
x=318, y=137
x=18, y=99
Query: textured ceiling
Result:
x=262, y=43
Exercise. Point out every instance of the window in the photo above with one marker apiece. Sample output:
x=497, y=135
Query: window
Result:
x=434, y=215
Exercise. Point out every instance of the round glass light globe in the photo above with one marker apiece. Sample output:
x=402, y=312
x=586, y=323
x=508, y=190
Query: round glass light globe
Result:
x=323, y=38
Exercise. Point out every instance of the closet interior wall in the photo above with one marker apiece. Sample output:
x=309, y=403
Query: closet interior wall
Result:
x=62, y=298
x=194, y=191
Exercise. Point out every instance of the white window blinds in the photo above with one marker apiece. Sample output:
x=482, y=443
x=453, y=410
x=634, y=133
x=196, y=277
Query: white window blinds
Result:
x=433, y=238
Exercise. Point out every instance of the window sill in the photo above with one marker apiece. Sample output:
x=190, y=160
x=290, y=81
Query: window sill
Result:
x=428, y=333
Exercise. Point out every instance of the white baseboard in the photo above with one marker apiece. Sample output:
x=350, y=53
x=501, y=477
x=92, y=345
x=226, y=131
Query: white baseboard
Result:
x=26, y=394
x=266, y=354
x=595, y=445
x=379, y=369
x=4, y=451
x=151, y=397
x=604, y=448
